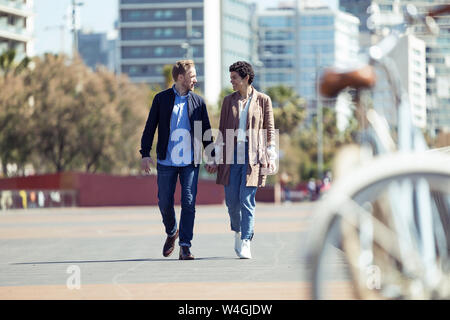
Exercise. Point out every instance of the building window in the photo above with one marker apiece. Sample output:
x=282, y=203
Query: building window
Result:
x=307, y=21
x=278, y=35
x=142, y=52
x=154, y=1
x=317, y=35
x=157, y=33
x=279, y=49
x=134, y=15
x=276, y=21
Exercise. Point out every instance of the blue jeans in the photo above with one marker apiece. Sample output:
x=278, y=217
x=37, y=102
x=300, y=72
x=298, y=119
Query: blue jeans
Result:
x=167, y=181
x=240, y=199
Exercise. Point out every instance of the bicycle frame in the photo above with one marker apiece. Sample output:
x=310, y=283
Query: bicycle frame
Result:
x=404, y=199
x=392, y=210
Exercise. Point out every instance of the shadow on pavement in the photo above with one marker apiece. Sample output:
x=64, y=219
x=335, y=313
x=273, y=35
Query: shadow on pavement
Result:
x=108, y=261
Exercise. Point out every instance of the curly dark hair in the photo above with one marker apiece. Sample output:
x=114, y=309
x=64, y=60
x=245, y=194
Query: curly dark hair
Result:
x=243, y=69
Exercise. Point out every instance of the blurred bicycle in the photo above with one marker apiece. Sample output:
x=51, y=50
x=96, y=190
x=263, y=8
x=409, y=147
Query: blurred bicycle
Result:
x=383, y=229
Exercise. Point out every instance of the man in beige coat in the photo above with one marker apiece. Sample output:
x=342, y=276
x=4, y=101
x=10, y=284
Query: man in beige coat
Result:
x=247, y=154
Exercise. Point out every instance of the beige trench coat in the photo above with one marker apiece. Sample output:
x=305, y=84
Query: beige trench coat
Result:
x=261, y=134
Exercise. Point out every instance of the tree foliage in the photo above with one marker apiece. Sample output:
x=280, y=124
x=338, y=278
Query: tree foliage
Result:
x=167, y=73
x=62, y=116
x=288, y=108
x=14, y=107
x=299, y=140
x=59, y=115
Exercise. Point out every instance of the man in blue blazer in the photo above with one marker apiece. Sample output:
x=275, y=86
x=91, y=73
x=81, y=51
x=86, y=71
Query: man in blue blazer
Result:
x=176, y=112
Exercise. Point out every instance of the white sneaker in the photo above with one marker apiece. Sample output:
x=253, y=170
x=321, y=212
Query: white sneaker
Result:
x=245, y=250
x=237, y=243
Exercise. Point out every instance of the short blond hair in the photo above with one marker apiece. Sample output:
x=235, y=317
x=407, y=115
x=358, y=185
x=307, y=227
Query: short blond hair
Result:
x=181, y=67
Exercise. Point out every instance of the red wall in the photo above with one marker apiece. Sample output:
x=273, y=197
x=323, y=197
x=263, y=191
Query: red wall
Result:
x=111, y=190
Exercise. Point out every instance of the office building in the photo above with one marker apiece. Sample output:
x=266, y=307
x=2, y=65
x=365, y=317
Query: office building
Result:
x=16, y=27
x=298, y=41
x=154, y=33
x=277, y=48
x=98, y=49
x=327, y=38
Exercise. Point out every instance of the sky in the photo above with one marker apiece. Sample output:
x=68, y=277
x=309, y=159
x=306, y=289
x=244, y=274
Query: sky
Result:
x=95, y=15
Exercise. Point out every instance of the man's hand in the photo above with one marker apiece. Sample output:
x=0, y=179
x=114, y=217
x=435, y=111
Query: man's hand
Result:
x=145, y=164
x=211, y=168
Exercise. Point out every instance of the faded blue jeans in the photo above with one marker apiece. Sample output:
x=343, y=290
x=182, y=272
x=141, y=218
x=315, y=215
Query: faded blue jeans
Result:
x=167, y=181
x=240, y=199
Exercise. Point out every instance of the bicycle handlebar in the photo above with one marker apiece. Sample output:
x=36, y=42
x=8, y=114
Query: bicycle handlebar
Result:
x=440, y=10
x=333, y=82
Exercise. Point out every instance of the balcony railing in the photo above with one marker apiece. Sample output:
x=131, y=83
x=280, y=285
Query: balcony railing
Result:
x=13, y=29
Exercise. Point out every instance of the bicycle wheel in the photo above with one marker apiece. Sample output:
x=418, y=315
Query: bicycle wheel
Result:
x=360, y=247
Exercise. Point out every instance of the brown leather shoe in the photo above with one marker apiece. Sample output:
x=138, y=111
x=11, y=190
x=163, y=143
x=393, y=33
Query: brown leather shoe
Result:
x=169, y=245
x=185, y=253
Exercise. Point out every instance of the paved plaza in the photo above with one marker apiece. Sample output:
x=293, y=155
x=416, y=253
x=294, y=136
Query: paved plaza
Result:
x=115, y=253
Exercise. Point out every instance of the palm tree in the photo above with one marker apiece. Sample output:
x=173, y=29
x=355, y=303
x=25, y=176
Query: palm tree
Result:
x=167, y=73
x=8, y=63
x=223, y=93
x=289, y=108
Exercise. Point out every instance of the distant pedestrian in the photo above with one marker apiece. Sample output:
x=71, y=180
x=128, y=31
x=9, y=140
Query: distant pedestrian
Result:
x=311, y=189
x=173, y=112
x=318, y=188
x=284, y=183
x=326, y=184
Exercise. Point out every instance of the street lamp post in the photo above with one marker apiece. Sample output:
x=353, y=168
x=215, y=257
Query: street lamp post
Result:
x=74, y=25
x=319, y=119
x=190, y=35
x=189, y=52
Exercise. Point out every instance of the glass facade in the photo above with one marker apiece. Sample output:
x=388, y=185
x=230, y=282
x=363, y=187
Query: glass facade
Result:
x=276, y=21
x=158, y=33
x=155, y=1
x=154, y=33
x=293, y=52
x=236, y=35
x=93, y=49
x=278, y=35
x=142, y=52
x=327, y=39
x=146, y=70
x=143, y=15
x=316, y=34
x=277, y=51
x=152, y=37
x=310, y=21
x=279, y=77
x=278, y=63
